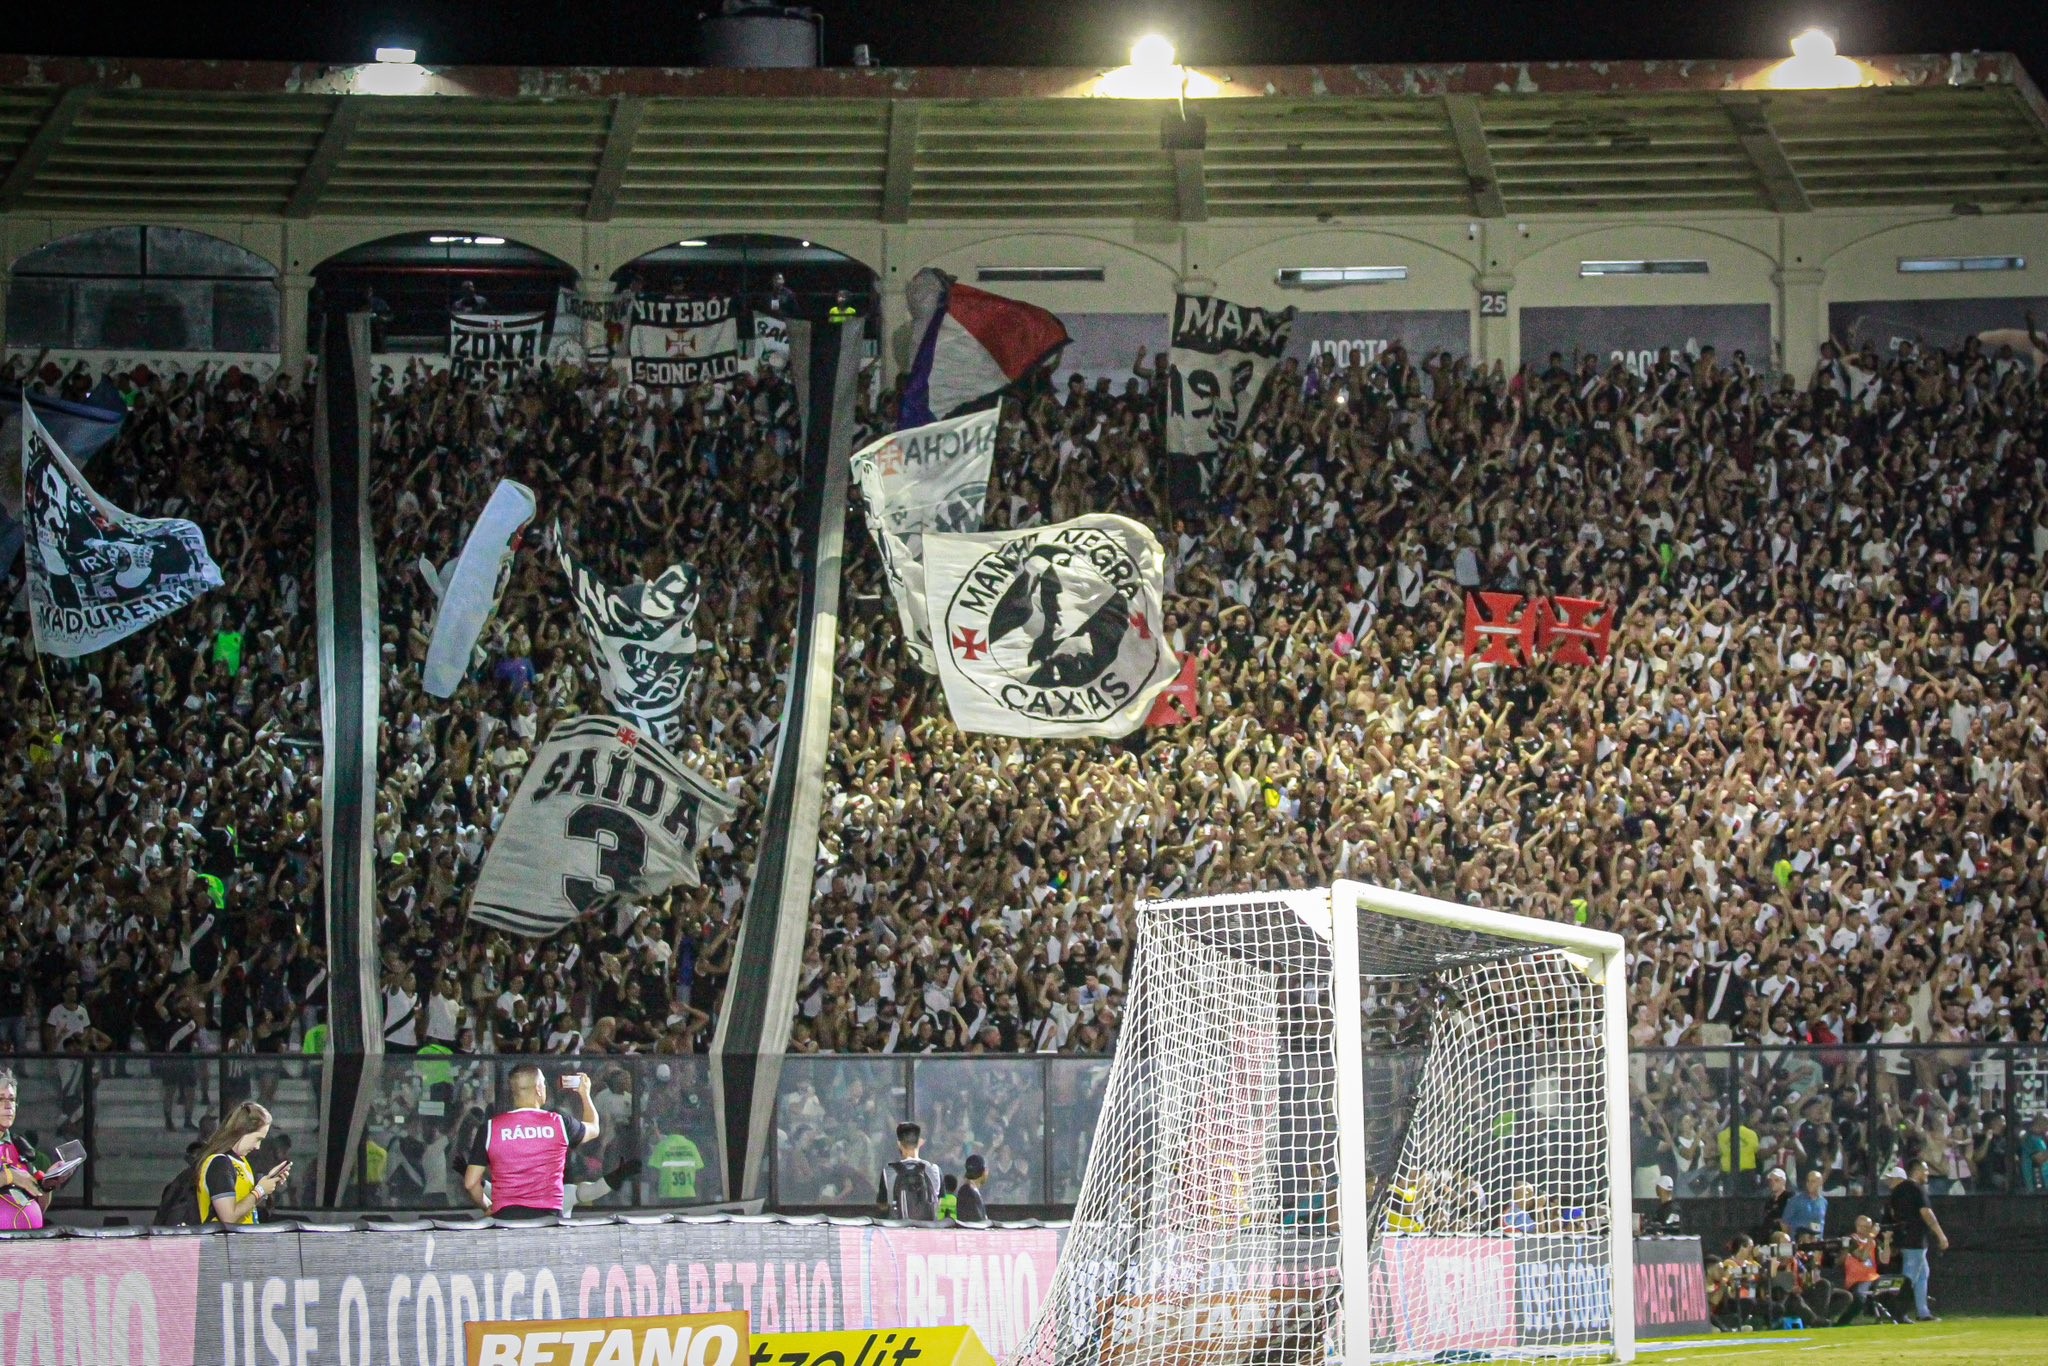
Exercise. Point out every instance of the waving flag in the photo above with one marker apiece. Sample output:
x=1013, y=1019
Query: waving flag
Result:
x=469, y=589
x=642, y=641
x=81, y=429
x=1052, y=631
x=931, y=478
x=970, y=345
x=97, y=575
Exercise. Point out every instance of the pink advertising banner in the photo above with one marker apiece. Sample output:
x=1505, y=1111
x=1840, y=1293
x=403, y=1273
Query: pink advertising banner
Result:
x=126, y=1300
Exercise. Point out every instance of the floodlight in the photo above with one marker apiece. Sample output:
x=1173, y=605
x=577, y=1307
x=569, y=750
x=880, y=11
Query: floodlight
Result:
x=398, y=55
x=1152, y=51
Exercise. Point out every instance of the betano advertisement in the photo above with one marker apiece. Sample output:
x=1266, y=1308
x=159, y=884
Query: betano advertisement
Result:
x=287, y=1296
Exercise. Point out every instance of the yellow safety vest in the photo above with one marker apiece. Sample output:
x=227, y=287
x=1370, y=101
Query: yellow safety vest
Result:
x=245, y=1185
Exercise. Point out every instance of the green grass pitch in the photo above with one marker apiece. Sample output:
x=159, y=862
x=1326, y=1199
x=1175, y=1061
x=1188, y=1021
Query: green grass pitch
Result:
x=1951, y=1342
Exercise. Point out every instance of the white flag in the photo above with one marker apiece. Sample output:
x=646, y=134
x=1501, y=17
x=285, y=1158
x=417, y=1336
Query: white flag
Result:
x=1052, y=631
x=926, y=479
x=469, y=590
x=604, y=817
x=96, y=574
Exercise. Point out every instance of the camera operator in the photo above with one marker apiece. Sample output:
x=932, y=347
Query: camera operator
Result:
x=1862, y=1250
x=1911, y=1221
x=1667, y=1218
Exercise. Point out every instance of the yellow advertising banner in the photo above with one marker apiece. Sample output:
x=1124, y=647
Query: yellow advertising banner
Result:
x=671, y=1340
x=873, y=1347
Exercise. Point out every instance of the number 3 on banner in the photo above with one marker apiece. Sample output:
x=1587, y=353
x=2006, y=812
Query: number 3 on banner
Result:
x=620, y=860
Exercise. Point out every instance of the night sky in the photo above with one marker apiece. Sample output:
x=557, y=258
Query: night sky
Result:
x=1036, y=32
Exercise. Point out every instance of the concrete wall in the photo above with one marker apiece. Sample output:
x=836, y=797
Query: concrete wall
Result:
x=1794, y=264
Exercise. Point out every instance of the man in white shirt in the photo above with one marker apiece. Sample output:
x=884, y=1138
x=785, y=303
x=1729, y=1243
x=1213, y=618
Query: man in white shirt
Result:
x=66, y=1021
x=401, y=1013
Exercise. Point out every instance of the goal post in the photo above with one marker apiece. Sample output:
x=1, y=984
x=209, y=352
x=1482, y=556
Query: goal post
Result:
x=1354, y=1125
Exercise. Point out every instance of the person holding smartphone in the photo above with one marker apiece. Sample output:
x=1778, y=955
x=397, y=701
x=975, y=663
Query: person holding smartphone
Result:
x=229, y=1189
x=524, y=1151
x=23, y=1197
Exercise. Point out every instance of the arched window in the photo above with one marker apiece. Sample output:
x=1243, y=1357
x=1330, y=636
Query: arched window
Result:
x=143, y=288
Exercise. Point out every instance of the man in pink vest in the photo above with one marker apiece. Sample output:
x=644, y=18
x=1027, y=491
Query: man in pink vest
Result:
x=525, y=1150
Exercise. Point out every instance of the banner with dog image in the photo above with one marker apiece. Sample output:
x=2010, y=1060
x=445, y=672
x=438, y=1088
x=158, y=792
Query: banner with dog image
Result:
x=97, y=575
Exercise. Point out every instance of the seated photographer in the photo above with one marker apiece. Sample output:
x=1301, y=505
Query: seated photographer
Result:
x=1735, y=1287
x=1862, y=1250
x=1792, y=1284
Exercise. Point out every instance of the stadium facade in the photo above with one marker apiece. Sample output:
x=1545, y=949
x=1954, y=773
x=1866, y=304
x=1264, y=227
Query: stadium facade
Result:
x=1495, y=200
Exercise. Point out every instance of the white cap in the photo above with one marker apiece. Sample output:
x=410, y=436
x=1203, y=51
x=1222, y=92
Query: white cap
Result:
x=1777, y=1174
x=1665, y=1183
x=1894, y=1173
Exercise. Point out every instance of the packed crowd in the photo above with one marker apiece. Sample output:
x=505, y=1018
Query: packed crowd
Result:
x=1806, y=782
x=159, y=802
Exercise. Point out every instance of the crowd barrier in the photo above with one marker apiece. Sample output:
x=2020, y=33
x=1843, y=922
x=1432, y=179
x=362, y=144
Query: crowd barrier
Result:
x=1032, y=1117
x=399, y=1294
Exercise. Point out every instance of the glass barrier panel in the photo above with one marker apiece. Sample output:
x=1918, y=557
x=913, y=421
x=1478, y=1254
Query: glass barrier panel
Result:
x=991, y=1106
x=1074, y=1092
x=836, y=1121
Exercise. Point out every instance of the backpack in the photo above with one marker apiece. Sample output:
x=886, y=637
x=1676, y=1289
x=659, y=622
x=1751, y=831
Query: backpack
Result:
x=913, y=1194
x=179, y=1204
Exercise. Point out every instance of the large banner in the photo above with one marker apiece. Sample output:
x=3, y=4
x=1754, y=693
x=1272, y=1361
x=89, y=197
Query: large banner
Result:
x=1220, y=357
x=404, y=1297
x=1050, y=632
x=495, y=345
x=97, y=575
x=1364, y=336
x=683, y=341
x=1885, y=325
x=1632, y=334
x=925, y=479
x=603, y=817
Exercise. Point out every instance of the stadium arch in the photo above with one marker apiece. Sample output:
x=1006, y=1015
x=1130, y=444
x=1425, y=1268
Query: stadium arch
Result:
x=415, y=277
x=141, y=292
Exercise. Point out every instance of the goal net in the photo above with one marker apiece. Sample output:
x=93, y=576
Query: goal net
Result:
x=1354, y=1125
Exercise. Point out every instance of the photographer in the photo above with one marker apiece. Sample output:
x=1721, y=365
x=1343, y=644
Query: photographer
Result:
x=1910, y=1221
x=1862, y=1250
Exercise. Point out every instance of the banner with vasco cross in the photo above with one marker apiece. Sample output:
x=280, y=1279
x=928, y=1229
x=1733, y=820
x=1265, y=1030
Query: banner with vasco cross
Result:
x=1508, y=629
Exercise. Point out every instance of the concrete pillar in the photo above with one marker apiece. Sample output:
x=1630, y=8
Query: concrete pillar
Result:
x=596, y=291
x=298, y=295
x=1494, y=331
x=1802, y=321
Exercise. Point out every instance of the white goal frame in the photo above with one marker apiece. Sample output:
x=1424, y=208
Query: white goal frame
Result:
x=1134, y=1283
x=1608, y=957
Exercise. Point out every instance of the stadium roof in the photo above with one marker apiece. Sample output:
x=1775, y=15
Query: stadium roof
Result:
x=105, y=137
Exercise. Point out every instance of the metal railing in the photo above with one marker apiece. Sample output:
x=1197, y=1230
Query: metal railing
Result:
x=1714, y=1119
